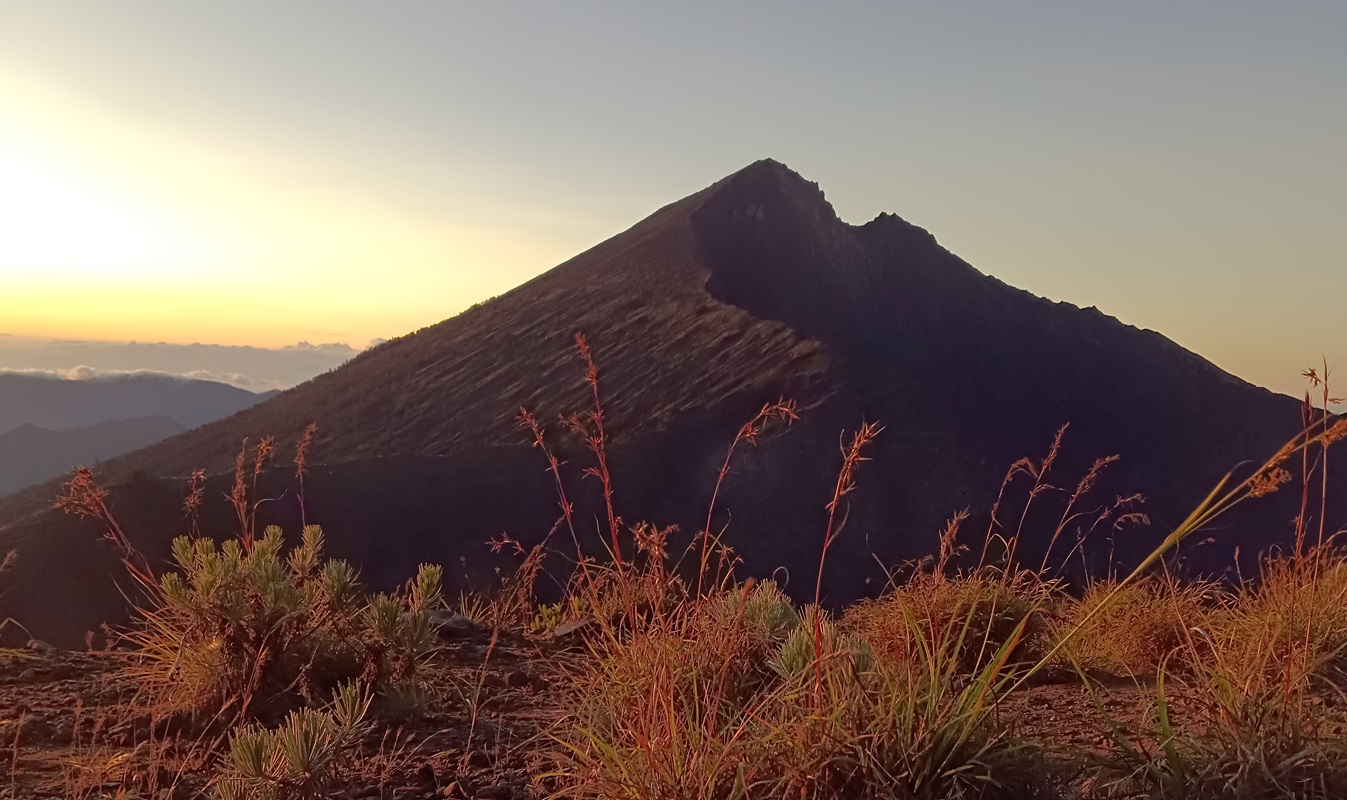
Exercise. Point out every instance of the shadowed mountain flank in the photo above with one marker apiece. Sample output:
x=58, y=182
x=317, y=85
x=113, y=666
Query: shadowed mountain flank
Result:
x=29, y=454
x=747, y=291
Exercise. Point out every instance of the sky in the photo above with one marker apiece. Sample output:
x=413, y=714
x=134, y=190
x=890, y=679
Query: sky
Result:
x=258, y=174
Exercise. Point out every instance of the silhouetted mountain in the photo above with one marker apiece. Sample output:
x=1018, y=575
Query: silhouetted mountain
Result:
x=29, y=454
x=57, y=404
x=747, y=291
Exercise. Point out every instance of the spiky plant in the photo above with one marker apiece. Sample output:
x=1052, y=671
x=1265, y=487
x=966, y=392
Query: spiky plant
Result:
x=305, y=758
x=238, y=628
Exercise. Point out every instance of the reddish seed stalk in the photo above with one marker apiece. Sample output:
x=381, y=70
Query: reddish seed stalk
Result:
x=83, y=497
x=598, y=444
x=1039, y=487
x=196, y=492
x=301, y=467
x=992, y=522
x=260, y=457
x=1328, y=400
x=238, y=497
x=851, y=458
x=530, y=423
x=1082, y=488
x=781, y=409
x=1325, y=440
x=240, y=494
x=592, y=432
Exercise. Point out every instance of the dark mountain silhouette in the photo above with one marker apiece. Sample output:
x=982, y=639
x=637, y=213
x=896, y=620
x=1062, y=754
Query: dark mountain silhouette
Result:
x=58, y=404
x=747, y=291
x=29, y=454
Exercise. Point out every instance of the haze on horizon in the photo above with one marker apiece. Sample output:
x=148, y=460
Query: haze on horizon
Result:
x=254, y=174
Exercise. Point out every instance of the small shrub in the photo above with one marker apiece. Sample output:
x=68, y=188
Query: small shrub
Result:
x=241, y=628
x=551, y=615
x=806, y=643
x=305, y=758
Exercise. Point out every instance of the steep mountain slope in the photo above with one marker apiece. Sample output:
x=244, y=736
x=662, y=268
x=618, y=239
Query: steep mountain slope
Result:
x=29, y=454
x=58, y=404
x=745, y=292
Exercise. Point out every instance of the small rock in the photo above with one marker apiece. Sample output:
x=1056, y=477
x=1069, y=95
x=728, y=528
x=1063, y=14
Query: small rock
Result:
x=425, y=777
x=455, y=626
x=518, y=678
x=176, y=725
x=35, y=729
x=130, y=732
x=567, y=629
x=496, y=791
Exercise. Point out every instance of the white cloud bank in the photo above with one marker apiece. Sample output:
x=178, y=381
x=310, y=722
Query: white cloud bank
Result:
x=254, y=368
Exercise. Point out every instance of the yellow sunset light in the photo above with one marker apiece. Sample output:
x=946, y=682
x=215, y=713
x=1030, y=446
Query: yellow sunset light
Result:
x=57, y=221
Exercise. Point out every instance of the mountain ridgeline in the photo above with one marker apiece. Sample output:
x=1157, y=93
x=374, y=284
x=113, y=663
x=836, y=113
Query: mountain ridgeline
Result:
x=49, y=425
x=29, y=454
x=58, y=404
x=746, y=292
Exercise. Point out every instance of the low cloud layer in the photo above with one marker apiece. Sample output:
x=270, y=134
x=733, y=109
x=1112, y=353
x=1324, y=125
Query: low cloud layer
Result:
x=85, y=372
x=254, y=368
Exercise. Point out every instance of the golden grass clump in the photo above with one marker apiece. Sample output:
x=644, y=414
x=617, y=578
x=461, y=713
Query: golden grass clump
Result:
x=1129, y=630
x=728, y=705
x=1255, y=709
x=982, y=609
x=1297, y=608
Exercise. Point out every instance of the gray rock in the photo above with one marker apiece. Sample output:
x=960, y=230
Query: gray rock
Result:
x=571, y=634
x=518, y=678
x=455, y=626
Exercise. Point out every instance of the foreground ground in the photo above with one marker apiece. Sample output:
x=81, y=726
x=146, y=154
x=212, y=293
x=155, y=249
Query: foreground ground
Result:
x=71, y=726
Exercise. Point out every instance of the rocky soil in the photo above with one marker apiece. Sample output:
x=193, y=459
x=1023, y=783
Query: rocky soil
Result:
x=72, y=725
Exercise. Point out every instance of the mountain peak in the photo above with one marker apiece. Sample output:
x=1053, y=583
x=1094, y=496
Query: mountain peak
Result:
x=766, y=190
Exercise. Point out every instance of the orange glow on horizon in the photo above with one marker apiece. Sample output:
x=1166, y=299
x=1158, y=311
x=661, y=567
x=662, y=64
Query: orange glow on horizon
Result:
x=122, y=232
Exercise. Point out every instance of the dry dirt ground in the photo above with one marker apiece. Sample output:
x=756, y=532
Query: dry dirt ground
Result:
x=71, y=726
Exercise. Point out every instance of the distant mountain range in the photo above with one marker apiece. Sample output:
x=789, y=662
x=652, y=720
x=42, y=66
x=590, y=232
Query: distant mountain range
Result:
x=58, y=405
x=745, y=292
x=29, y=454
x=49, y=425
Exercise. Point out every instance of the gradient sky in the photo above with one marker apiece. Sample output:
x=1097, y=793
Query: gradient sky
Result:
x=259, y=173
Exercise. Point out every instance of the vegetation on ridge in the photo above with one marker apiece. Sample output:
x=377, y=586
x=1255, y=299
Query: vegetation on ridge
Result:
x=672, y=679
